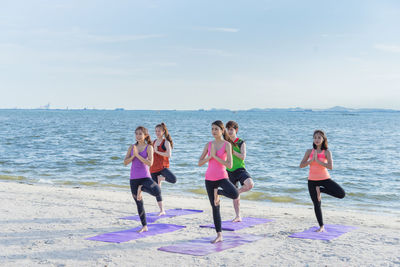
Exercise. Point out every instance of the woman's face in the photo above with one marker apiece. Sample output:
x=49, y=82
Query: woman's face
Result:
x=216, y=131
x=139, y=135
x=159, y=132
x=318, y=139
x=232, y=132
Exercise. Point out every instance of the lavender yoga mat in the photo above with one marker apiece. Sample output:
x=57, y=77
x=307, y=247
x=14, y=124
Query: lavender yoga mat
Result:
x=202, y=246
x=153, y=216
x=131, y=234
x=233, y=226
x=331, y=231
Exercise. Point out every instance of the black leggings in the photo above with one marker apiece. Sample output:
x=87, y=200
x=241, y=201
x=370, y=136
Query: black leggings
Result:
x=169, y=177
x=328, y=187
x=228, y=190
x=148, y=186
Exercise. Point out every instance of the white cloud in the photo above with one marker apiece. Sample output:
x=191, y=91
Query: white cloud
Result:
x=121, y=38
x=388, y=48
x=219, y=29
x=210, y=52
x=223, y=29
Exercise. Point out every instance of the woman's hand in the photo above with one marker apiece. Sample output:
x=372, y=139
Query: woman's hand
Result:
x=315, y=156
x=213, y=152
x=135, y=151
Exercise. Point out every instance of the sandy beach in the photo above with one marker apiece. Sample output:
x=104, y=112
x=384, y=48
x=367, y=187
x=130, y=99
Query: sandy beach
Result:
x=46, y=226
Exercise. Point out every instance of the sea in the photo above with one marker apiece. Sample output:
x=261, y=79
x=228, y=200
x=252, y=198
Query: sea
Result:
x=86, y=148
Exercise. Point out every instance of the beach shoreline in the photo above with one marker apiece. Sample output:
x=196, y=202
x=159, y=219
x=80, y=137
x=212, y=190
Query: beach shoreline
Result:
x=47, y=225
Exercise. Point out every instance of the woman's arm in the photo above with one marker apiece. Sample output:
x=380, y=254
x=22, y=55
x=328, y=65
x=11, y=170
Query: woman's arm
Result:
x=242, y=154
x=305, y=162
x=204, y=158
x=128, y=158
x=149, y=160
x=329, y=164
x=166, y=153
x=228, y=162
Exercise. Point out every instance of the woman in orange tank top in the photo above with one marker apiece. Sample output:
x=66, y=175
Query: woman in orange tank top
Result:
x=320, y=160
x=162, y=152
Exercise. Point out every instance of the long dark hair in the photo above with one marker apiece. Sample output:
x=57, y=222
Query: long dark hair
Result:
x=220, y=124
x=324, y=145
x=166, y=133
x=146, y=134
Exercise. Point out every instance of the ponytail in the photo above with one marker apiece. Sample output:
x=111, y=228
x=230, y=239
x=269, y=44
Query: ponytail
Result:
x=166, y=133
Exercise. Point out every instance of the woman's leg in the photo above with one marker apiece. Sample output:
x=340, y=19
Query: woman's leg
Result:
x=210, y=186
x=228, y=189
x=317, y=204
x=168, y=175
x=149, y=186
x=135, y=183
x=331, y=188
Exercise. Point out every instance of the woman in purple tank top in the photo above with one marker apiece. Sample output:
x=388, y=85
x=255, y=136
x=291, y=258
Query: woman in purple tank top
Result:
x=141, y=157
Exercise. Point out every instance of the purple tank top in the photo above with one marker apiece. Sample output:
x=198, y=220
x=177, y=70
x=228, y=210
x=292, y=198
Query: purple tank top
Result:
x=138, y=168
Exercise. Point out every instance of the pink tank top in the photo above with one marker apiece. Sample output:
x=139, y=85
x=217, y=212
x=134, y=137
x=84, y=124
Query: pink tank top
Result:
x=138, y=168
x=318, y=172
x=216, y=171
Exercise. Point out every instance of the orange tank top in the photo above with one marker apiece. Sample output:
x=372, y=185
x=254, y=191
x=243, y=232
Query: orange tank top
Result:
x=318, y=172
x=159, y=162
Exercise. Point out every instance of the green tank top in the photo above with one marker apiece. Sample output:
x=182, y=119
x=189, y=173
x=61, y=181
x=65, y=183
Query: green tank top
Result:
x=237, y=162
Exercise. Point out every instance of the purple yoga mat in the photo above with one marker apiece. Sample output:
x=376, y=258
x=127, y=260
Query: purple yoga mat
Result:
x=153, y=216
x=131, y=234
x=331, y=231
x=203, y=246
x=233, y=226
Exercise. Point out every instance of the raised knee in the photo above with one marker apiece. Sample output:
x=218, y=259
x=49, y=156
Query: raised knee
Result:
x=342, y=195
x=251, y=185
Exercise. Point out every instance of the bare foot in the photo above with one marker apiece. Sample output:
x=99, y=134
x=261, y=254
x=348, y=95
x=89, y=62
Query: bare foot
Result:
x=318, y=193
x=162, y=212
x=144, y=229
x=237, y=219
x=139, y=193
x=321, y=229
x=160, y=179
x=218, y=239
x=216, y=197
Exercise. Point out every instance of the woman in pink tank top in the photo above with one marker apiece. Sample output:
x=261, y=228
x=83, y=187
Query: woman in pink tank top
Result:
x=320, y=160
x=218, y=154
x=141, y=157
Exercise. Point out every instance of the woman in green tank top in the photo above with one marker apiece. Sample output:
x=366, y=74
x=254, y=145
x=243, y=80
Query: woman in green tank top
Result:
x=238, y=172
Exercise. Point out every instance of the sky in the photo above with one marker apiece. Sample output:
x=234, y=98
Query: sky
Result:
x=188, y=55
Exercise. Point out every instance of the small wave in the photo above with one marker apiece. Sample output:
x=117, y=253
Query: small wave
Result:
x=89, y=183
x=263, y=196
x=200, y=191
x=112, y=176
x=115, y=158
x=45, y=181
x=12, y=178
x=86, y=162
x=116, y=185
x=357, y=194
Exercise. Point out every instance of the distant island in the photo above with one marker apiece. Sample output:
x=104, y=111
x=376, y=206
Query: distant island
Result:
x=296, y=109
